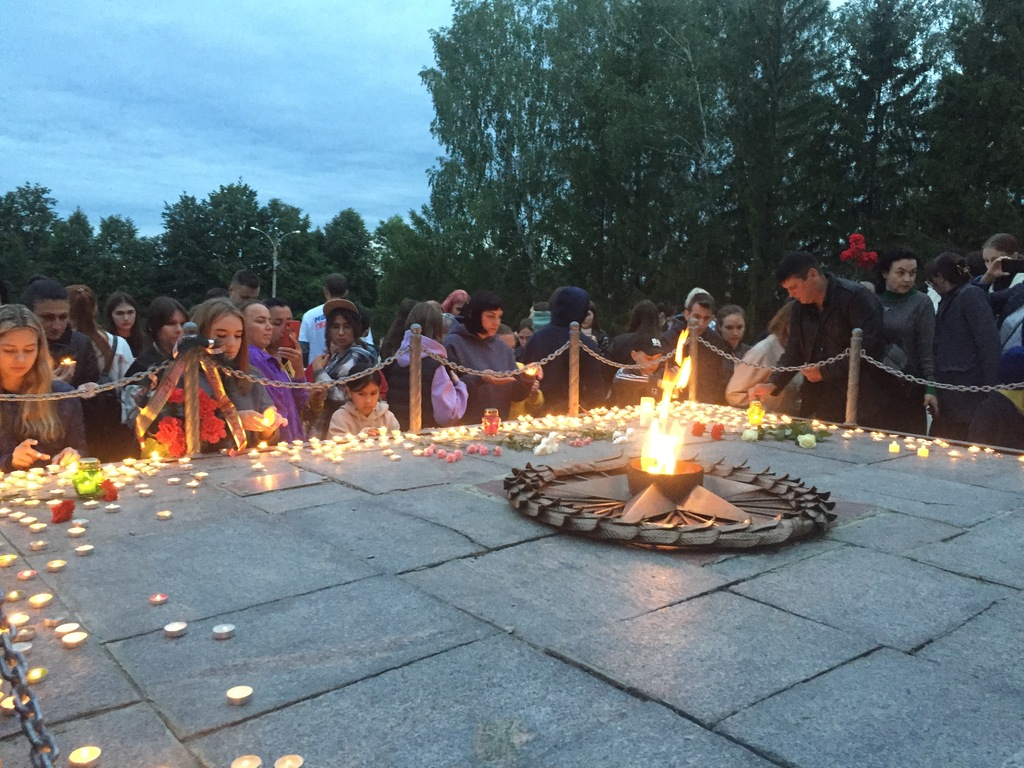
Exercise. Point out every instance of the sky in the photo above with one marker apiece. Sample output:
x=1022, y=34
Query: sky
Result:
x=121, y=106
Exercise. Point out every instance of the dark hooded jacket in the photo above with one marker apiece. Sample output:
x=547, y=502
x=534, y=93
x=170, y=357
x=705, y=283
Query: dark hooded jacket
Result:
x=568, y=305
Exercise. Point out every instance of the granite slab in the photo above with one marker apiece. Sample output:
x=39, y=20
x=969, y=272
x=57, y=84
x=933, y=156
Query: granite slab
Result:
x=893, y=532
x=882, y=711
x=982, y=552
x=290, y=650
x=886, y=599
x=555, y=588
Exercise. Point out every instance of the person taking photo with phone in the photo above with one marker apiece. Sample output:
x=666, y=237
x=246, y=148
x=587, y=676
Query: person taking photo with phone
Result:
x=1002, y=254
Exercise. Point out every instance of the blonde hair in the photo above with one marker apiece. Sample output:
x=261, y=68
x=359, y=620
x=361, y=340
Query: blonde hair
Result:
x=36, y=418
x=205, y=315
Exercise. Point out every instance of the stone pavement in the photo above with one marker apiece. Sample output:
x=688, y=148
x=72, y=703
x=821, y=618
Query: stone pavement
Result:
x=400, y=613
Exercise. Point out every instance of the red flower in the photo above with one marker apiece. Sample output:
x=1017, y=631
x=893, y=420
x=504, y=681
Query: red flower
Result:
x=697, y=429
x=177, y=396
x=109, y=490
x=718, y=431
x=63, y=512
x=171, y=434
x=858, y=254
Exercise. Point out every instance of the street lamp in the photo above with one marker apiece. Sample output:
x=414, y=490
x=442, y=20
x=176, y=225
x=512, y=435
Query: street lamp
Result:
x=276, y=243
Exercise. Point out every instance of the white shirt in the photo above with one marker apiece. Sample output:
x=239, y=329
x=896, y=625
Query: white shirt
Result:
x=313, y=329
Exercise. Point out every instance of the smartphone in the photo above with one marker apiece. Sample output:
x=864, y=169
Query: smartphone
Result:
x=1012, y=266
x=290, y=337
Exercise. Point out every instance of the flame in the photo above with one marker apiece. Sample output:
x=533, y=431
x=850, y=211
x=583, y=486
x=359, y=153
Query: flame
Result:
x=269, y=416
x=67, y=361
x=665, y=439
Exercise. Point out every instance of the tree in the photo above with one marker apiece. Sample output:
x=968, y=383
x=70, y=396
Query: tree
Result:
x=345, y=245
x=974, y=173
x=410, y=264
x=26, y=224
x=71, y=251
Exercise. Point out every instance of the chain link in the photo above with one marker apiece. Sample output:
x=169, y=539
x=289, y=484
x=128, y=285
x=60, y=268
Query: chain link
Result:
x=90, y=391
x=497, y=374
x=44, y=748
x=775, y=368
x=632, y=366
x=308, y=384
x=939, y=385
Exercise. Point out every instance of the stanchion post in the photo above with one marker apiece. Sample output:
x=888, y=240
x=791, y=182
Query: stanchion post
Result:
x=415, y=379
x=853, y=380
x=694, y=341
x=190, y=387
x=574, y=369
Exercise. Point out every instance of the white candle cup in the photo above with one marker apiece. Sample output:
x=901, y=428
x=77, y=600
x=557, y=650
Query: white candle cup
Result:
x=158, y=599
x=173, y=480
x=25, y=634
x=56, y=566
x=66, y=629
x=239, y=695
x=37, y=546
x=85, y=757
x=146, y=492
x=74, y=639
x=164, y=514
x=76, y=531
x=26, y=575
x=23, y=648
x=41, y=600
x=113, y=508
x=175, y=629
x=6, y=561
x=223, y=631
x=54, y=622
x=37, y=527
x=289, y=761
x=85, y=550
x=7, y=707
x=18, y=620
x=246, y=761
x=27, y=521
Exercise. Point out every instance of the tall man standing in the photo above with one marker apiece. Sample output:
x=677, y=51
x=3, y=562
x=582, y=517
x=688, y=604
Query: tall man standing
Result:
x=48, y=300
x=828, y=310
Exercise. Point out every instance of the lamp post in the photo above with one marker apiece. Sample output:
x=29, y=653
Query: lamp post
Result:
x=275, y=241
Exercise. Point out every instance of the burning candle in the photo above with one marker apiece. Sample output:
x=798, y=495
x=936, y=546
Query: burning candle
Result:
x=146, y=492
x=66, y=629
x=239, y=695
x=246, y=761
x=113, y=508
x=158, y=599
x=18, y=620
x=26, y=575
x=173, y=480
x=56, y=566
x=289, y=761
x=923, y=452
x=7, y=706
x=192, y=483
x=85, y=550
x=163, y=514
x=36, y=675
x=40, y=600
x=76, y=531
x=6, y=561
x=175, y=629
x=15, y=595
x=37, y=527
x=85, y=757
x=74, y=639
x=27, y=521
x=894, y=447
x=37, y=546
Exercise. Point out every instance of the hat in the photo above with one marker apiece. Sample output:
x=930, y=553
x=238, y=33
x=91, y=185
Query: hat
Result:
x=649, y=345
x=334, y=304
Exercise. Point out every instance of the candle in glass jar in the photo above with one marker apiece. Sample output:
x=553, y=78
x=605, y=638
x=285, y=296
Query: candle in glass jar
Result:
x=491, y=421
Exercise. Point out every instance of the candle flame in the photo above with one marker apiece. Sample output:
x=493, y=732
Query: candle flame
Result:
x=269, y=415
x=67, y=361
x=664, y=441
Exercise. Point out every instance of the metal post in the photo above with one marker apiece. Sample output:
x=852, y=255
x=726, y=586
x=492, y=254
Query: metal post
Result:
x=694, y=343
x=415, y=379
x=191, y=392
x=853, y=380
x=574, y=369
x=275, y=243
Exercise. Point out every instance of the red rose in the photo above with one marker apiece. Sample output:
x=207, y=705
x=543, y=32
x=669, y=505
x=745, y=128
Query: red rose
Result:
x=697, y=429
x=718, y=431
x=109, y=490
x=63, y=512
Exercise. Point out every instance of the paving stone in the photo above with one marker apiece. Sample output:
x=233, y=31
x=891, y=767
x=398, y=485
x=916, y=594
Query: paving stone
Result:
x=887, y=599
x=222, y=564
x=747, y=564
x=482, y=517
x=392, y=540
x=290, y=650
x=987, y=646
x=79, y=681
x=810, y=466
x=131, y=736
x=911, y=493
x=714, y=655
x=368, y=471
x=557, y=587
x=494, y=702
x=892, y=532
x=982, y=552
x=278, y=480
x=303, y=498
x=981, y=470
x=885, y=710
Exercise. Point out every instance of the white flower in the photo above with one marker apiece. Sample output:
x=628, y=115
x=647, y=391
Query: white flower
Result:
x=806, y=441
x=750, y=435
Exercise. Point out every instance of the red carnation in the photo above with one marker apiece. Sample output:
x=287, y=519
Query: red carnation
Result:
x=176, y=396
x=698, y=428
x=718, y=431
x=63, y=512
x=171, y=434
x=109, y=490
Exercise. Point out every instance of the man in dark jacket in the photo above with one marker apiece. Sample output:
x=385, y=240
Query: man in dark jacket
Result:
x=48, y=300
x=828, y=310
x=568, y=305
x=712, y=373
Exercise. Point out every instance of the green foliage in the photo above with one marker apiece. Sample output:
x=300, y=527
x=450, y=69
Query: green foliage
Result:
x=26, y=225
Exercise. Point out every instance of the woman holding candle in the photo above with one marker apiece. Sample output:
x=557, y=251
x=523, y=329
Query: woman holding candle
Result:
x=224, y=323
x=345, y=350
x=756, y=368
x=33, y=432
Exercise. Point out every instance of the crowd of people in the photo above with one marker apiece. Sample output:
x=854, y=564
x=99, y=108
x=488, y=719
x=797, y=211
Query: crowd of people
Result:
x=964, y=329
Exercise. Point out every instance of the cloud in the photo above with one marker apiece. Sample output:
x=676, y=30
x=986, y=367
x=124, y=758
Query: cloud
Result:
x=317, y=103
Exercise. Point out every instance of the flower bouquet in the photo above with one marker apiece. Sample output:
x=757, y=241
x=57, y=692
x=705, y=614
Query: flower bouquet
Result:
x=166, y=435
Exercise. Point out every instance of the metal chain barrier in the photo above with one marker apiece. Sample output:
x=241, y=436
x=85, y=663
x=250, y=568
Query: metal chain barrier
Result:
x=939, y=385
x=498, y=374
x=91, y=391
x=308, y=384
x=44, y=748
x=632, y=366
x=775, y=368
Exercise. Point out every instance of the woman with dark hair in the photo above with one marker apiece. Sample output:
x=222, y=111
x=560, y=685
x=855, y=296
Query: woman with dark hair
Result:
x=345, y=348
x=966, y=343
x=645, y=320
x=909, y=321
x=443, y=397
x=473, y=343
x=756, y=368
x=122, y=319
x=33, y=432
x=165, y=324
x=591, y=328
